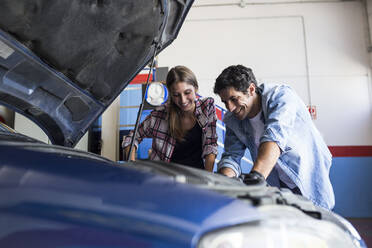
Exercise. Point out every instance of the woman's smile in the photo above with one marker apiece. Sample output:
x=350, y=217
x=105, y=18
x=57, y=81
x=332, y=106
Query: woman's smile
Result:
x=184, y=96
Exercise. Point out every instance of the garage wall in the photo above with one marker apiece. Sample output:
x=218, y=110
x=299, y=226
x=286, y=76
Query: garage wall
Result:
x=29, y=128
x=319, y=48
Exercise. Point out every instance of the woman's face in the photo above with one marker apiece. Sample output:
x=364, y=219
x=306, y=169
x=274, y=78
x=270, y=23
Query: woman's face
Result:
x=184, y=96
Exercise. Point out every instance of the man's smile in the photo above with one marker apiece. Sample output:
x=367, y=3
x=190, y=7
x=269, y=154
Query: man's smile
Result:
x=238, y=112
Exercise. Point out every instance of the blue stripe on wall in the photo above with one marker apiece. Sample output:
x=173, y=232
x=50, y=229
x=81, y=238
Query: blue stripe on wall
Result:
x=351, y=178
x=131, y=96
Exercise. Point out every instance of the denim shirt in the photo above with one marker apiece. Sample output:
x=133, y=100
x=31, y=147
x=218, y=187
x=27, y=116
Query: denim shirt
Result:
x=304, y=157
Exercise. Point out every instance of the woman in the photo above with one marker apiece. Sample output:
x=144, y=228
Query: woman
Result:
x=184, y=129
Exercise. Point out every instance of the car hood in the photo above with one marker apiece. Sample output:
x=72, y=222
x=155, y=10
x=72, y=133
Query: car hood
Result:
x=55, y=196
x=64, y=194
x=62, y=63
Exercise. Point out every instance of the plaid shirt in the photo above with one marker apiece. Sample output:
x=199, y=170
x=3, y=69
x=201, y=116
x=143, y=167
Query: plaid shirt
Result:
x=155, y=126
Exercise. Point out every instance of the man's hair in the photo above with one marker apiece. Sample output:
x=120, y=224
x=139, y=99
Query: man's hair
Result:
x=237, y=76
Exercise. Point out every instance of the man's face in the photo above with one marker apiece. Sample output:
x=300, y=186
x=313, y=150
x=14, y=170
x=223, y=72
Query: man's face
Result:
x=241, y=104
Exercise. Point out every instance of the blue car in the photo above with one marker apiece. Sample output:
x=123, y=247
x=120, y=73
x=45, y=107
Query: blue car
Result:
x=62, y=63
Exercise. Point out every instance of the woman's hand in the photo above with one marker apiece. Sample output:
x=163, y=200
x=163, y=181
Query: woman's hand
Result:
x=126, y=152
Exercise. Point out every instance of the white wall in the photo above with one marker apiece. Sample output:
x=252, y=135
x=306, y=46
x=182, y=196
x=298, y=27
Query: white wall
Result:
x=8, y=115
x=318, y=48
x=29, y=128
x=110, y=131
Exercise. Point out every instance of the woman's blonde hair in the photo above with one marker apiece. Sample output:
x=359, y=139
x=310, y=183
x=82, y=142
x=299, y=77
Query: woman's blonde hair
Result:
x=175, y=75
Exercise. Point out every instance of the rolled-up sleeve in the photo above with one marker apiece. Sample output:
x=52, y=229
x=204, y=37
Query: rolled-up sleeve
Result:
x=281, y=116
x=234, y=151
x=142, y=132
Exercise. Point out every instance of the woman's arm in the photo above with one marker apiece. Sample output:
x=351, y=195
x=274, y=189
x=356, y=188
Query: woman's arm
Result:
x=209, y=162
x=143, y=132
x=209, y=131
x=133, y=155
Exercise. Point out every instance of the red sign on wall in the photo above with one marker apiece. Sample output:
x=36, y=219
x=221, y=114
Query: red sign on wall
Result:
x=312, y=111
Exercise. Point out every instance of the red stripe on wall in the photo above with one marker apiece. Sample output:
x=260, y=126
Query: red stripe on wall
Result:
x=140, y=78
x=351, y=151
x=219, y=113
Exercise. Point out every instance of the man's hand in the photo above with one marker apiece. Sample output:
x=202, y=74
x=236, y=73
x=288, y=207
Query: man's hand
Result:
x=253, y=178
x=227, y=172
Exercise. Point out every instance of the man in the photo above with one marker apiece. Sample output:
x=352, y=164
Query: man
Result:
x=275, y=125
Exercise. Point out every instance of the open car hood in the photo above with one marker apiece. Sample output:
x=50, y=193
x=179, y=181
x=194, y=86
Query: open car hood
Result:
x=62, y=63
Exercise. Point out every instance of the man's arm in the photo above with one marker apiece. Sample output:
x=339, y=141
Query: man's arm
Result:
x=282, y=108
x=268, y=154
x=227, y=172
x=229, y=164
